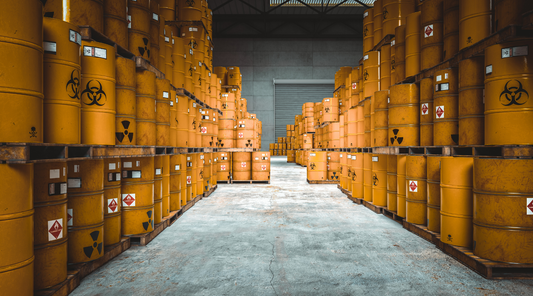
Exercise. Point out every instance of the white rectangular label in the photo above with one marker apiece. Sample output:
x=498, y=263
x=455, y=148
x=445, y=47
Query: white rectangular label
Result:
x=75, y=37
x=413, y=186
x=312, y=154
x=138, y=163
x=167, y=39
x=425, y=109
x=488, y=70
x=165, y=94
x=520, y=51
x=55, y=229
x=375, y=159
x=349, y=156
x=428, y=31
x=128, y=200
x=158, y=172
x=445, y=75
x=76, y=168
x=438, y=78
x=193, y=29
x=155, y=16
x=55, y=174
x=177, y=167
x=74, y=183
x=112, y=166
x=96, y=52
x=70, y=216
x=128, y=164
x=136, y=174
x=129, y=21
x=112, y=205
x=49, y=47
x=529, y=206
x=365, y=57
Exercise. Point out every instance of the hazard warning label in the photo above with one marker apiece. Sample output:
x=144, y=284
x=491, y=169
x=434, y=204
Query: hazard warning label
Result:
x=354, y=85
x=189, y=180
x=529, y=206
x=425, y=109
x=439, y=112
x=55, y=229
x=112, y=205
x=241, y=135
x=69, y=217
x=128, y=200
x=413, y=186
x=222, y=167
x=264, y=167
x=428, y=31
x=243, y=164
x=203, y=130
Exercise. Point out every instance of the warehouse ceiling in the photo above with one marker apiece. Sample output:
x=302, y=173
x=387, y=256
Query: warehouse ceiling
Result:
x=288, y=18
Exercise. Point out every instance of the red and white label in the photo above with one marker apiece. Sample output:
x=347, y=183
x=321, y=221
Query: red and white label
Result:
x=354, y=85
x=264, y=167
x=203, y=130
x=189, y=180
x=439, y=111
x=55, y=229
x=413, y=186
x=428, y=31
x=243, y=164
x=112, y=205
x=425, y=109
x=222, y=167
x=129, y=21
x=128, y=200
x=241, y=135
x=70, y=215
x=529, y=206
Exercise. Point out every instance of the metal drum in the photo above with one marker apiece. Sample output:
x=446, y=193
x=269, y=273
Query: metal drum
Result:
x=179, y=56
x=399, y=53
x=208, y=158
x=471, y=105
x=112, y=201
x=194, y=39
x=330, y=109
x=146, y=113
x=367, y=177
x=379, y=180
x=416, y=201
x=224, y=166
x=401, y=162
x=451, y=29
x=50, y=202
x=221, y=73
x=97, y=93
x=456, y=181
x=403, y=115
x=139, y=28
x=392, y=185
x=182, y=121
x=509, y=12
x=317, y=168
x=360, y=127
x=167, y=9
x=158, y=189
x=166, y=186
x=367, y=108
x=245, y=133
x=433, y=187
x=154, y=33
x=445, y=101
x=189, y=10
x=169, y=49
x=190, y=178
x=183, y=166
x=412, y=44
x=261, y=166
x=84, y=13
x=200, y=173
x=62, y=69
x=226, y=133
x=85, y=210
x=343, y=160
x=503, y=217
x=350, y=173
x=116, y=21
x=431, y=44
x=371, y=73
x=242, y=162
x=508, y=87
x=385, y=67
x=17, y=224
x=176, y=187
x=162, y=112
x=334, y=166
x=393, y=78
x=395, y=13
x=137, y=195
x=174, y=119
x=368, y=30
x=378, y=21
x=357, y=175
x=164, y=38
x=381, y=118
x=234, y=75
x=474, y=21
x=126, y=117
x=426, y=112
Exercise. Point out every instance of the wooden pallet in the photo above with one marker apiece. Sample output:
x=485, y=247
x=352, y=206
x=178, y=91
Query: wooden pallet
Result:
x=322, y=182
x=373, y=207
x=250, y=181
x=393, y=216
x=208, y=193
x=221, y=149
x=223, y=182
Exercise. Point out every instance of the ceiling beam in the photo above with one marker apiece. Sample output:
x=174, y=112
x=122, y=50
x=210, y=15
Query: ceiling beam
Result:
x=335, y=6
x=251, y=6
x=364, y=5
x=221, y=5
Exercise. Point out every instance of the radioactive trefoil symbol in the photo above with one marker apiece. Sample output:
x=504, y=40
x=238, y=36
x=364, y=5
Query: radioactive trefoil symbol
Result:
x=190, y=3
x=144, y=49
x=312, y=166
x=335, y=176
x=398, y=139
x=327, y=109
x=514, y=94
x=121, y=136
x=150, y=221
x=249, y=144
x=74, y=84
x=95, y=246
x=95, y=95
x=220, y=144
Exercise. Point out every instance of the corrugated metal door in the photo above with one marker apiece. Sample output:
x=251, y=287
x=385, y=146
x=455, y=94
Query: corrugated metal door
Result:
x=291, y=97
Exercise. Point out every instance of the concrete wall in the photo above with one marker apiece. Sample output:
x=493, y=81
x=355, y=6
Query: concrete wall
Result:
x=262, y=60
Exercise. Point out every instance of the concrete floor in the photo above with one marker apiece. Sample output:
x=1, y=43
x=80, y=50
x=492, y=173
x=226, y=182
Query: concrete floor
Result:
x=288, y=238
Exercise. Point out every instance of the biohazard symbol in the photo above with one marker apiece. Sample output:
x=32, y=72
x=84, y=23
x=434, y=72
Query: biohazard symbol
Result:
x=95, y=94
x=150, y=221
x=365, y=75
x=398, y=139
x=33, y=133
x=190, y=3
x=190, y=70
x=514, y=94
x=334, y=177
x=327, y=109
x=144, y=49
x=98, y=246
x=192, y=44
x=74, y=84
x=354, y=176
x=375, y=180
x=393, y=63
x=249, y=144
x=201, y=174
x=312, y=166
x=199, y=81
x=224, y=106
x=365, y=31
x=194, y=124
x=385, y=13
x=121, y=136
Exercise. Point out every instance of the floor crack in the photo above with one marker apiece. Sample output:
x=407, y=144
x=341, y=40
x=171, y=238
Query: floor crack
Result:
x=270, y=268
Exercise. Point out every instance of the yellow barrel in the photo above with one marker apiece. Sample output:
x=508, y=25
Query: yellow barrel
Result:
x=474, y=21
x=179, y=57
x=372, y=119
x=381, y=118
x=167, y=9
x=471, y=106
x=333, y=166
x=307, y=109
x=242, y=162
x=189, y=10
x=139, y=28
x=190, y=180
x=343, y=160
x=401, y=162
x=503, y=209
x=154, y=33
x=370, y=73
x=112, y=201
x=317, y=168
x=351, y=131
x=357, y=175
x=392, y=185
x=403, y=115
x=416, y=201
x=226, y=133
x=162, y=112
x=158, y=189
x=349, y=173
x=50, y=202
x=85, y=210
x=207, y=170
x=433, y=188
x=379, y=180
x=176, y=188
x=508, y=87
x=445, y=101
x=399, y=53
x=164, y=37
x=116, y=22
x=426, y=112
x=182, y=121
x=509, y=12
x=367, y=177
x=431, y=44
x=200, y=161
x=97, y=93
x=137, y=195
x=331, y=109
x=62, y=71
x=17, y=224
x=291, y=157
x=206, y=128
x=224, y=166
x=378, y=21
x=21, y=93
x=393, y=78
x=261, y=166
x=451, y=29
x=360, y=127
x=456, y=212
x=146, y=111
x=166, y=185
x=367, y=108
x=174, y=118
x=385, y=67
x=125, y=120
x=368, y=30
x=412, y=44
x=183, y=173
x=245, y=133
x=169, y=63
x=80, y=12
x=234, y=75
x=395, y=13
x=221, y=73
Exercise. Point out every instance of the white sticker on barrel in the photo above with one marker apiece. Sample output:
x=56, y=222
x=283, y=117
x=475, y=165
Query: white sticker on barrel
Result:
x=202, y=156
x=425, y=109
x=167, y=39
x=312, y=154
x=49, y=47
x=158, y=172
x=375, y=159
x=327, y=100
x=75, y=37
x=438, y=78
x=506, y=53
x=519, y=51
x=193, y=29
x=445, y=75
x=488, y=69
x=55, y=174
x=138, y=163
x=117, y=177
x=128, y=164
x=70, y=215
x=128, y=199
x=354, y=157
x=155, y=16
x=366, y=14
x=439, y=112
x=165, y=94
x=349, y=156
x=129, y=21
x=393, y=42
x=64, y=171
x=428, y=31
x=365, y=58
x=112, y=205
x=188, y=158
x=74, y=183
x=112, y=166
x=194, y=105
x=55, y=229
x=171, y=103
x=76, y=168
x=257, y=158
x=135, y=174
x=413, y=186
x=529, y=206
x=340, y=155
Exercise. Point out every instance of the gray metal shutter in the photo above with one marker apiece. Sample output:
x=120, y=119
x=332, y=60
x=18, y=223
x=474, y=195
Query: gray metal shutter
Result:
x=291, y=97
